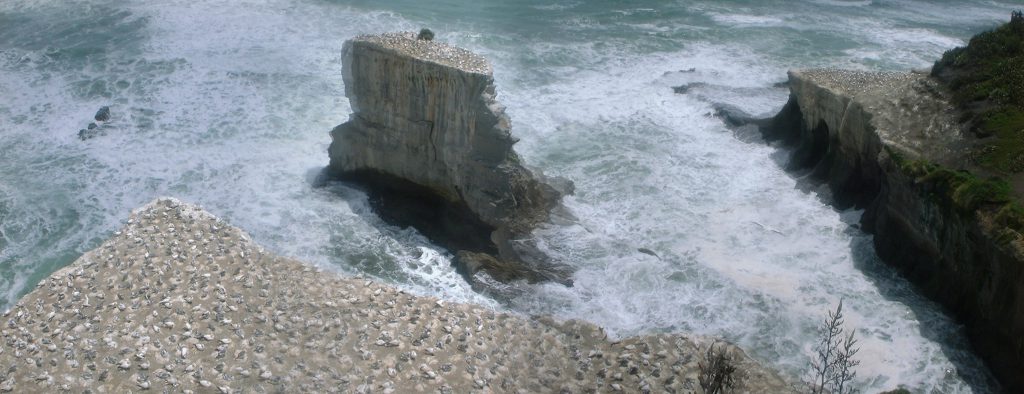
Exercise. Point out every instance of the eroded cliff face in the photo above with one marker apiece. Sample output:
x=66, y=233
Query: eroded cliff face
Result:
x=425, y=113
x=863, y=134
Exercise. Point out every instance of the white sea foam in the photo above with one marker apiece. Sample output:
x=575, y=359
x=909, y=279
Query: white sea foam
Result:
x=229, y=107
x=743, y=253
x=846, y=3
x=568, y=5
x=743, y=20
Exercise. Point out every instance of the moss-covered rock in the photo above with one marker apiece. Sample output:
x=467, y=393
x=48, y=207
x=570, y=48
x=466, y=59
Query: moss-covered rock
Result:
x=966, y=191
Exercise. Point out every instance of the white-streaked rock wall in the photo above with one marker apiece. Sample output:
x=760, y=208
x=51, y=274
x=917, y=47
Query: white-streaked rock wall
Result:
x=426, y=112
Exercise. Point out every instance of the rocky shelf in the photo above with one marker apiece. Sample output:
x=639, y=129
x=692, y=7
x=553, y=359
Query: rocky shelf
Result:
x=181, y=301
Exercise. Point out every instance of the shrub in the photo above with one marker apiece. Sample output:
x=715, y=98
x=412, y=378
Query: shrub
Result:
x=832, y=371
x=1011, y=216
x=425, y=34
x=965, y=191
x=718, y=371
x=976, y=191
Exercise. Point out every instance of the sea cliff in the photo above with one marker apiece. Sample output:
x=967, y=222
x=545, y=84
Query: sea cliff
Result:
x=426, y=126
x=892, y=143
x=178, y=300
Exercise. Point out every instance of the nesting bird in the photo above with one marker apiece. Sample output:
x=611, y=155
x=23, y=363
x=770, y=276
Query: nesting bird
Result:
x=311, y=330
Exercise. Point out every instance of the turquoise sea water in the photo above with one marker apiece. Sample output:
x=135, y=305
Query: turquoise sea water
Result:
x=229, y=106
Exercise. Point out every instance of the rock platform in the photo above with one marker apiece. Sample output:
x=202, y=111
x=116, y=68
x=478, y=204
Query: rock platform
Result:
x=180, y=301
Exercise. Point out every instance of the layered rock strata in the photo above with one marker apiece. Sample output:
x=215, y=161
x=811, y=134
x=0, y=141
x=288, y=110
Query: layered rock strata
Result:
x=426, y=126
x=179, y=301
x=862, y=133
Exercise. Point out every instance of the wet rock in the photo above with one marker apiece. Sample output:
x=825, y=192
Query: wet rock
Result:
x=683, y=89
x=84, y=134
x=648, y=252
x=732, y=115
x=103, y=114
x=472, y=265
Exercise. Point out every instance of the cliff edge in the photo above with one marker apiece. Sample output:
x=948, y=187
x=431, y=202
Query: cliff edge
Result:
x=181, y=301
x=426, y=127
x=892, y=143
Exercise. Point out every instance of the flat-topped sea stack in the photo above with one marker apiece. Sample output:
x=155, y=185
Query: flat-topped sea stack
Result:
x=180, y=301
x=893, y=143
x=428, y=139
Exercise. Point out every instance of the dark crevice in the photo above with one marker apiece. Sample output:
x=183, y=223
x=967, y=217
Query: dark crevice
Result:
x=814, y=148
x=402, y=203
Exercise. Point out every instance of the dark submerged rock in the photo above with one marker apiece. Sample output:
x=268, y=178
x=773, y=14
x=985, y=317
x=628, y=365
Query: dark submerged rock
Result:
x=85, y=134
x=683, y=89
x=648, y=252
x=103, y=114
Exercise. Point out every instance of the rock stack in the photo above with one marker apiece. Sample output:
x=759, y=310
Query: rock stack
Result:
x=426, y=127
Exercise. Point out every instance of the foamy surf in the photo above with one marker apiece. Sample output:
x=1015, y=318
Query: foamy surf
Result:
x=229, y=107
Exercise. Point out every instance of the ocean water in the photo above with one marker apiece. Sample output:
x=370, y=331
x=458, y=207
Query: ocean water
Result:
x=229, y=106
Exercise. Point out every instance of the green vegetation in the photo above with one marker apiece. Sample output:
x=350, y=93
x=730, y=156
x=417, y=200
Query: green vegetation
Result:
x=964, y=191
x=1007, y=154
x=987, y=80
x=425, y=34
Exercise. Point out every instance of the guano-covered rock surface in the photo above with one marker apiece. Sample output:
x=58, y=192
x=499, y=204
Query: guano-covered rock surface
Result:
x=180, y=301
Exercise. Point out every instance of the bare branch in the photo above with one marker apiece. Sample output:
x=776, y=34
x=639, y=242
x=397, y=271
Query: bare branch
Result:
x=834, y=367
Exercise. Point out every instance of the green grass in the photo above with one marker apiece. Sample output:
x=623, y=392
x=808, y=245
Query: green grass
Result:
x=966, y=192
x=986, y=78
x=1006, y=153
x=987, y=81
